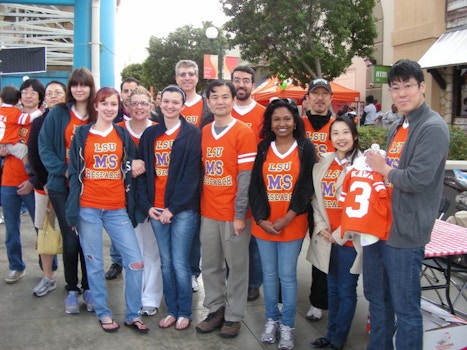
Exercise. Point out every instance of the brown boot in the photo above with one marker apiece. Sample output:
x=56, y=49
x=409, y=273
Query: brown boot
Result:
x=230, y=329
x=212, y=322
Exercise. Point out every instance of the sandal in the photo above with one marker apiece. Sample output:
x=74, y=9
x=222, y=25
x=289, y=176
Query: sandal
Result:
x=182, y=323
x=105, y=324
x=320, y=343
x=167, y=321
x=137, y=326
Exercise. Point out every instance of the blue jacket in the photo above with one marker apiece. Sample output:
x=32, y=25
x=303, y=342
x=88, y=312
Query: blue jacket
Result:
x=76, y=169
x=183, y=183
x=52, y=147
x=418, y=180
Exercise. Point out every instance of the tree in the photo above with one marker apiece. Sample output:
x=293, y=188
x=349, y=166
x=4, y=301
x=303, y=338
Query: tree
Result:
x=302, y=39
x=185, y=43
x=134, y=71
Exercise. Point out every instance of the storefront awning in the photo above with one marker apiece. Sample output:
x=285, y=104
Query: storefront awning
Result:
x=448, y=50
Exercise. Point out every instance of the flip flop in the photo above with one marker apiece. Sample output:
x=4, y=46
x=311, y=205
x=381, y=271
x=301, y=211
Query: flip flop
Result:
x=111, y=323
x=138, y=326
x=180, y=320
x=164, y=323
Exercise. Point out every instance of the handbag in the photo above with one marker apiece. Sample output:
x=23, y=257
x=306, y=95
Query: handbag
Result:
x=49, y=239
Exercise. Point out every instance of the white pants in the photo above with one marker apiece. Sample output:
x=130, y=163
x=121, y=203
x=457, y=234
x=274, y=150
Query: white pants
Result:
x=151, y=294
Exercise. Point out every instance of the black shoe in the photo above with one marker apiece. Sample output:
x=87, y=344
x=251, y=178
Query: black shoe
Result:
x=114, y=271
x=253, y=294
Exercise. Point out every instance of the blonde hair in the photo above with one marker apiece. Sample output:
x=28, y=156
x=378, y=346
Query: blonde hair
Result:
x=140, y=90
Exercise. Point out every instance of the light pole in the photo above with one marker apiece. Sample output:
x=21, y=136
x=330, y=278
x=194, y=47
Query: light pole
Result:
x=211, y=34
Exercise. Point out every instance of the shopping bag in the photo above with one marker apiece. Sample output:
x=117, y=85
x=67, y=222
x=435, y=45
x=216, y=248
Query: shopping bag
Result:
x=49, y=240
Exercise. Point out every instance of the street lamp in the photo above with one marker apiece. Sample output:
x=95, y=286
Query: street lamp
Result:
x=211, y=34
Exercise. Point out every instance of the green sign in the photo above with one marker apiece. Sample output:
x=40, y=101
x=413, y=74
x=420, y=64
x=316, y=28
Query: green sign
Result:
x=380, y=74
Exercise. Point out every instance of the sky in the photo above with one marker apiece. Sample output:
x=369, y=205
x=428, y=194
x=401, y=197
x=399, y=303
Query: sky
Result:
x=137, y=20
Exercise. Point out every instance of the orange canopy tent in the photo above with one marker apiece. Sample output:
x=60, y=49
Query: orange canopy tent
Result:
x=273, y=87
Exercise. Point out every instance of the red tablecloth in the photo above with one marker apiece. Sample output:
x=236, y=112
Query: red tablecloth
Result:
x=446, y=239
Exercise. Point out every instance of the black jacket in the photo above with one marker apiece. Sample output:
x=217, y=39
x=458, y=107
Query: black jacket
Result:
x=302, y=192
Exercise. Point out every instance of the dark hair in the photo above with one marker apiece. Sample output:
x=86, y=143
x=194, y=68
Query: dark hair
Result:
x=83, y=76
x=128, y=80
x=244, y=69
x=267, y=134
x=403, y=70
x=175, y=88
x=370, y=99
x=10, y=95
x=56, y=82
x=106, y=92
x=217, y=83
x=37, y=86
x=352, y=154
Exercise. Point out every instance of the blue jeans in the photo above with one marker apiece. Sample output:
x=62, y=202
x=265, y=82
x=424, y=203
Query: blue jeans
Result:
x=342, y=293
x=119, y=227
x=115, y=255
x=195, y=253
x=255, y=272
x=175, y=241
x=279, y=262
x=72, y=251
x=12, y=216
x=391, y=280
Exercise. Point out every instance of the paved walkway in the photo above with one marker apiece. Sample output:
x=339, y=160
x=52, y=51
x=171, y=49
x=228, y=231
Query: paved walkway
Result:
x=29, y=322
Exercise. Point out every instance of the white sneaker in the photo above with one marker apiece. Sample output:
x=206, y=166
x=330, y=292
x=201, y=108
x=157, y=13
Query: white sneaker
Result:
x=287, y=338
x=148, y=311
x=194, y=284
x=44, y=286
x=314, y=314
x=14, y=276
x=270, y=331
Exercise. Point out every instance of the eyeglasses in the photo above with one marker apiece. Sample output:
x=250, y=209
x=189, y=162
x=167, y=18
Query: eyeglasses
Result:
x=187, y=74
x=245, y=81
x=140, y=103
x=54, y=94
x=29, y=93
x=397, y=89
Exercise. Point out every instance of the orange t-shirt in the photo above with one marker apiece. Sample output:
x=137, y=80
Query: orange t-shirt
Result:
x=134, y=136
x=14, y=172
x=251, y=116
x=280, y=175
x=11, y=121
x=162, y=149
x=328, y=187
x=75, y=121
x=103, y=186
x=395, y=150
x=321, y=138
x=224, y=156
x=193, y=113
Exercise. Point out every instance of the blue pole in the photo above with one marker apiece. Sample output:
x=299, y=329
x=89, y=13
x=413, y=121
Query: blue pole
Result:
x=108, y=10
x=82, y=33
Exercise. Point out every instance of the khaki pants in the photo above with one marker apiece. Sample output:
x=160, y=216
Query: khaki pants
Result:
x=219, y=246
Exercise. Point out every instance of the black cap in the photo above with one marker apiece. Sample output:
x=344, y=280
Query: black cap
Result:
x=319, y=82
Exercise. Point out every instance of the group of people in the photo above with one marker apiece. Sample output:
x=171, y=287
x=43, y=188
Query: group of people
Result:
x=243, y=184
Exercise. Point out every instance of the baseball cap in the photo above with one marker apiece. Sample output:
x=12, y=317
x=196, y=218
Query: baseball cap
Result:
x=319, y=82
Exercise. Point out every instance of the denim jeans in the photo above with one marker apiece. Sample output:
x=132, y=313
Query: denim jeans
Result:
x=255, y=272
x=391, y=280
x=279, y=262
x=72, y=251
x=119, y=227
x=115, y=255
x=175, y=241
x=12, y=216
x=195, y=253
x=342, y=293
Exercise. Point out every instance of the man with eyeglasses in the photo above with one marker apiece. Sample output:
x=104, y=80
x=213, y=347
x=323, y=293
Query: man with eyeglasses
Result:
x=196, y=111
x=251, y=113
x=317, y=122
x=414, y=169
